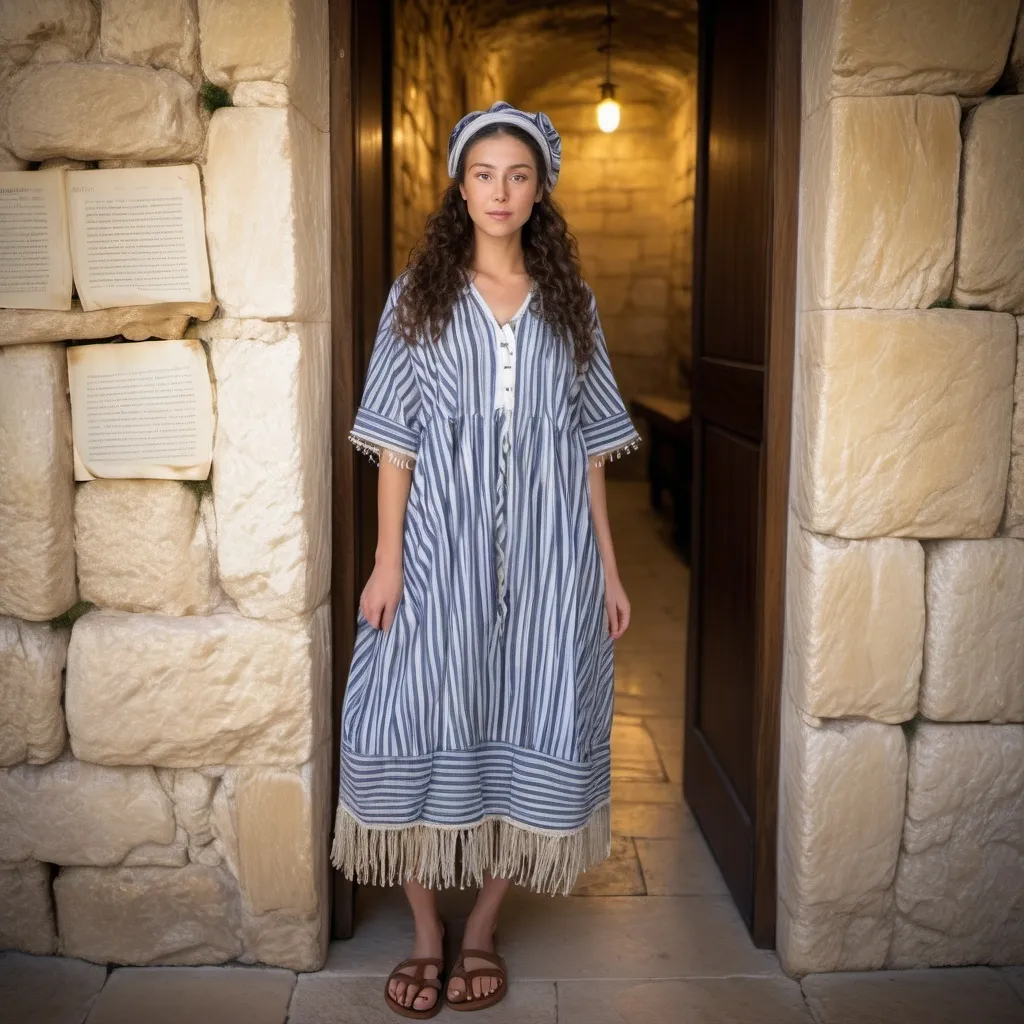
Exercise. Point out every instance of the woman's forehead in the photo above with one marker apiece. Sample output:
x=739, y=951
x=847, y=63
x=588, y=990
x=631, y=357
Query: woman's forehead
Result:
x=500, y=151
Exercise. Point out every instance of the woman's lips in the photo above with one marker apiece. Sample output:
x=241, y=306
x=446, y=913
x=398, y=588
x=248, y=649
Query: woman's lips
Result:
x=499, y=214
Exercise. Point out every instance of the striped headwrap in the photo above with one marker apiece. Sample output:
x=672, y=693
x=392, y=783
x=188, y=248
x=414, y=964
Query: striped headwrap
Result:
x=537, y=125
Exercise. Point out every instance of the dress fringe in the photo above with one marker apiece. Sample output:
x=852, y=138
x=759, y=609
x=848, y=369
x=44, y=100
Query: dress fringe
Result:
x=616, y=453
x=543, y=861
x=373, y=452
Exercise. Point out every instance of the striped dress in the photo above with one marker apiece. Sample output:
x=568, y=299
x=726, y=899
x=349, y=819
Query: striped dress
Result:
x=476, y=730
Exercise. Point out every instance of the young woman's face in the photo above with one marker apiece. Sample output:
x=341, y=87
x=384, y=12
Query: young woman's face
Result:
x=501, y=184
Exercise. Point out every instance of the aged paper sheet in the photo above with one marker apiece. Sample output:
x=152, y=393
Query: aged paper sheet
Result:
x=141, y=409
x=35, y=257
x=138, y=236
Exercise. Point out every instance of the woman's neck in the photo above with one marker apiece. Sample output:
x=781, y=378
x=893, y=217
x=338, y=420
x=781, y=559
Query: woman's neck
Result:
x=498, y=257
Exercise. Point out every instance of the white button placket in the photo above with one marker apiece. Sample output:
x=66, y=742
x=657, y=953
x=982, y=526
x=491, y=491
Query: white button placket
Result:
x=505, y=403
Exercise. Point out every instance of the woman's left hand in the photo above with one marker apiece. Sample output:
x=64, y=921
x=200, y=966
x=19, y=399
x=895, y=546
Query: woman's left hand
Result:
x=616, y=607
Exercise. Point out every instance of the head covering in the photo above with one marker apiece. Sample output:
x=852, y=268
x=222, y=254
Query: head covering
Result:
x=537, y=125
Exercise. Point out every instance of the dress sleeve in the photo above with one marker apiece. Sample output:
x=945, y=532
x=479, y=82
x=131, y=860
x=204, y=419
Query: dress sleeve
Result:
x=388, y=417
x=607, y=429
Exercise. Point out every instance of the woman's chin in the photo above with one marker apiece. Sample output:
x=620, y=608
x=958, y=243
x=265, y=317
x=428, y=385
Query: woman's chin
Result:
x=498, y=228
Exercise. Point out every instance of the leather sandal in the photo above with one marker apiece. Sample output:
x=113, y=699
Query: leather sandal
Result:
x=417, y=978
x=467, y=1001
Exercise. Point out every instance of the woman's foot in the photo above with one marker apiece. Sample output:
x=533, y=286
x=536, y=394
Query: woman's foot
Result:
x=428, y=941
x=479, y=934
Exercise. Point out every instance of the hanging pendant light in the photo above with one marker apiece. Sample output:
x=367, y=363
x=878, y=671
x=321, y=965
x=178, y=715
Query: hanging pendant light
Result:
x=608, y=110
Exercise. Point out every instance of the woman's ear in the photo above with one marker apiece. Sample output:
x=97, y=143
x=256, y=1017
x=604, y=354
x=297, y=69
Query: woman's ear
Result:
x=462, y=191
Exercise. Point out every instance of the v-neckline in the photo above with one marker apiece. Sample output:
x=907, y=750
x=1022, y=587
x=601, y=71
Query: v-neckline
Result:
x=490, y=312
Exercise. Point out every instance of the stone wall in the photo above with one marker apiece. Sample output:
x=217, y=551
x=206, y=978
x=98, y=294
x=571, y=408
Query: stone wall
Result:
x=902, y=801
x=628, y=198
x=164, y=648
x=441, y=71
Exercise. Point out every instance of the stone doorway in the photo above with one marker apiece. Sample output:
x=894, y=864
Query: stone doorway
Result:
x=629, y=199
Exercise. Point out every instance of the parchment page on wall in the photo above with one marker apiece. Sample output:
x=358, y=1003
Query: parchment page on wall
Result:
x=138, y=236
x=35, y=258
x=141, y=409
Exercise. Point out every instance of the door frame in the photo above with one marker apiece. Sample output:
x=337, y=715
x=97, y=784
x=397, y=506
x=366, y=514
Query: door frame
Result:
x=360, y=57
x=773, y=490
x=360, y=50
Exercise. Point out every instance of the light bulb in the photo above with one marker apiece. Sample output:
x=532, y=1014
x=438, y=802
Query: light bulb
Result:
x=608, y=112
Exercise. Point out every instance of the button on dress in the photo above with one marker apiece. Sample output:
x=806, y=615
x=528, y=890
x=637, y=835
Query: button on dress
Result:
x=476, y=729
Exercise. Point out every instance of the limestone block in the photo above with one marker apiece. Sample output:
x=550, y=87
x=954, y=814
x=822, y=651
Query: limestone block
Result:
x=875, y=47
x=32, y=659
x=878, y=202
x=160, y=33
x=841, y=818
x=1013, y=515
x=184, y=915
x=144, y=546
x=161, y=855
x=281, y=823
x=134, y=323
x=855, y=628
x=974, y=647
x=193, y=796
x=275, y=265
x=37, y=555
x=69, y=812
x=285, y=938
x=960, y=884
x=46, y=30
x=103, y=111
x=260, y=94
x=990, y=258
x=271, y=480
x=903, y=423
x=185, y=691
x=26, y=909
x=281, y=41
x=1013, y=74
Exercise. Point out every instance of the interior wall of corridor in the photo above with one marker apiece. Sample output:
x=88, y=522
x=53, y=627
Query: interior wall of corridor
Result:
x=902, y=804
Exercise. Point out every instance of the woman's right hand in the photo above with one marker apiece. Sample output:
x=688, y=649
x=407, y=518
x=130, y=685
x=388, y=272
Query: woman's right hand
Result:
x=379, y=599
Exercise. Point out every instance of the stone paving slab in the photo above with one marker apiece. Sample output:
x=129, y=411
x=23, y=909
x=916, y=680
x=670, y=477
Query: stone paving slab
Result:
x=320, y=999
x=680, y=867
x=1015, y=976
x=698, y=1001
x=960, y=995
x=551, y=938
x=47, y=989
x=194, y=995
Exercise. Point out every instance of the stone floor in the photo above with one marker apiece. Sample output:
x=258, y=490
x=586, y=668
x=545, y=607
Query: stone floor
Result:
x=650, y=937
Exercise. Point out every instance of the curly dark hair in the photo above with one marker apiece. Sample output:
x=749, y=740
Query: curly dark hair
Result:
x=438, y=267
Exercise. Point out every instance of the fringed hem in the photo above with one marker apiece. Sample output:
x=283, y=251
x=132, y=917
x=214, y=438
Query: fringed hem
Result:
x=373, y=451
x=616, y=453
x=543, y=861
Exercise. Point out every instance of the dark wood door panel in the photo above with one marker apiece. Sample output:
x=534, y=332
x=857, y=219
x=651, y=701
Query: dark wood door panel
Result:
x=743, y=323
x=735, y=270
x=729, y=492
x=731, y=394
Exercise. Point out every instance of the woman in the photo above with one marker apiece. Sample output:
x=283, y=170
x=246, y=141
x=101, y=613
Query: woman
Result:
x=477, y=719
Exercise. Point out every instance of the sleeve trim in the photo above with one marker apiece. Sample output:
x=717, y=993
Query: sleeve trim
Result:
x=385, y=432
x=608, y=433
x=616, y=453
x=373, y=450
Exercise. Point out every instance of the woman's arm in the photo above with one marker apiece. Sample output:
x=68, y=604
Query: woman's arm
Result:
x=615, y=601
x=383, y=590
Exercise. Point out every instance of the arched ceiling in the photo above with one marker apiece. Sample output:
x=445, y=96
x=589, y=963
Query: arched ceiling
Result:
x=541, y=44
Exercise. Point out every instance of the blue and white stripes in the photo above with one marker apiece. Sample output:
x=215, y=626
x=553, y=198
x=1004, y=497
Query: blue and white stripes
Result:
x=459, y=715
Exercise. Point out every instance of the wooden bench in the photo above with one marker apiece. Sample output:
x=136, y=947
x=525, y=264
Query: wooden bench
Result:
x=669, y=458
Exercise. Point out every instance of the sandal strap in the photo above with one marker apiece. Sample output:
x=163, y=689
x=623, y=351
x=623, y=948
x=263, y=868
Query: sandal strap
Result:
x=483, y=954
x=419, y=962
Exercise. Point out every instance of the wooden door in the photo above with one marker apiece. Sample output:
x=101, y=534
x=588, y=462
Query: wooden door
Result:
x=743, y=324
x=360, y=69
